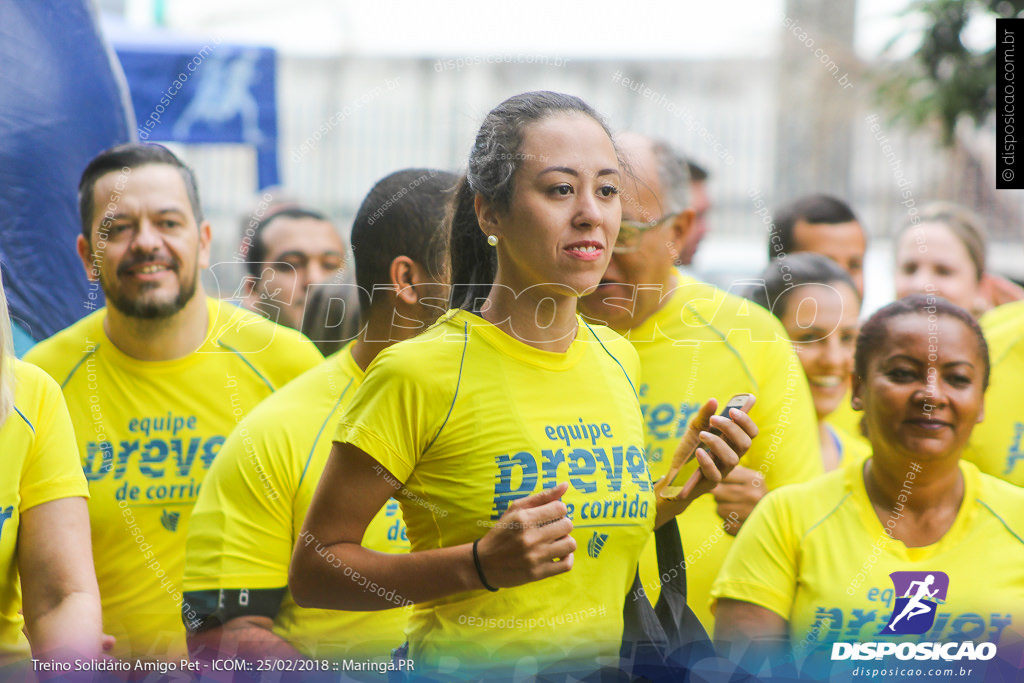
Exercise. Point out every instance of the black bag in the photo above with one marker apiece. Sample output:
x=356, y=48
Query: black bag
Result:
x=662, y=643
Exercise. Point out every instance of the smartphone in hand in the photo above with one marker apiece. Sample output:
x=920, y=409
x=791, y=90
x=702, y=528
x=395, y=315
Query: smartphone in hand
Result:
x=742, y=402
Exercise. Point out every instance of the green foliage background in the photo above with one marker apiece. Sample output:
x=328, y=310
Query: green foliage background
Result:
x=945, y=81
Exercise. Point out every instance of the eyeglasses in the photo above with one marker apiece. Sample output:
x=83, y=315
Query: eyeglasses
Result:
x=631, y=232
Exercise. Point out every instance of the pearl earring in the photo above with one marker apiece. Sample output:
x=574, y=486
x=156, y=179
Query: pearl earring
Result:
x=492, y=240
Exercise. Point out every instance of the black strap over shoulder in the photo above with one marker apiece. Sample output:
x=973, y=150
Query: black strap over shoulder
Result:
x=662, y=643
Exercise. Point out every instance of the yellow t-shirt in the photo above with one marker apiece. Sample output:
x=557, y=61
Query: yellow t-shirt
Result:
x=40, y=464
x=254, y=501
x=471, y=419
x=147, y=433
x=1006, y=314
x=851, y=448
x=705, y=343
x=847, y=419
x=817, y=555
x=997, y=444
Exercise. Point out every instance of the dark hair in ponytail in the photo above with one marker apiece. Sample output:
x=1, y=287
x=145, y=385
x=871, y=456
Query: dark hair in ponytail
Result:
x=493, y=162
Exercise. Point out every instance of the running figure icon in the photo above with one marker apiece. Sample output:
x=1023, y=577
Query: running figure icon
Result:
x=915, y=606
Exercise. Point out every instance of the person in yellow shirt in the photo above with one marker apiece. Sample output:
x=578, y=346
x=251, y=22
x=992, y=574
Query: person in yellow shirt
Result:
x=250, y=512
x=154, y=383
x=913, y=544
x=997, y=444
x=942, y=251
x=1004, y=314
x=826, y=225
x=513, y=426
x=49, y=590
x=817, y=303
x=694, y=341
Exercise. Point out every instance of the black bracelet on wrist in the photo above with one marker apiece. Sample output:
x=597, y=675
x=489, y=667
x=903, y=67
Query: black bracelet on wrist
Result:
x=480, y=569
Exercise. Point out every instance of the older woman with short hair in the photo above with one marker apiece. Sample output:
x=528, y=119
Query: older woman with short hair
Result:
x=847, y=558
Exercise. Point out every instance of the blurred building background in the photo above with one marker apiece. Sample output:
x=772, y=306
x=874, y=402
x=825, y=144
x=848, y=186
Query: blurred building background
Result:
x=769, y=97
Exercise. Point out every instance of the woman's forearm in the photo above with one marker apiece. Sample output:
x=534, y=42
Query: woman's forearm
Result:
x=350, y=577
x=331, y=569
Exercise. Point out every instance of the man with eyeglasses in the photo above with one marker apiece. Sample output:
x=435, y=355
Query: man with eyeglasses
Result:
x=291, y=248
x=694, y=341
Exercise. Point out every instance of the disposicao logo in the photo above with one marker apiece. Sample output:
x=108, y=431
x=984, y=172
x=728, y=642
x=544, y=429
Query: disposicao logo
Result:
x=913, y=614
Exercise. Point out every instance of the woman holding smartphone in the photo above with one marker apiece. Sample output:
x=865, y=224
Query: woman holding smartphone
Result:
x=511, y=426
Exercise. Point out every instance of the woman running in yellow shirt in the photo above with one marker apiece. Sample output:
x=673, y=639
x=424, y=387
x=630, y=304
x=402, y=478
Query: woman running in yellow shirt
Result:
x=510, y=429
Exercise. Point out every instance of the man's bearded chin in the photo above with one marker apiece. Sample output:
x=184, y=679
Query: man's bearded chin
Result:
x=145, y=308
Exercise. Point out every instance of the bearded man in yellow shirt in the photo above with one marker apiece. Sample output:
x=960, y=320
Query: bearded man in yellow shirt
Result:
x=695, y=341
x=154, y=383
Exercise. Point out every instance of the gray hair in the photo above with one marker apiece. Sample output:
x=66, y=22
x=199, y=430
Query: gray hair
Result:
x=673, y=176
